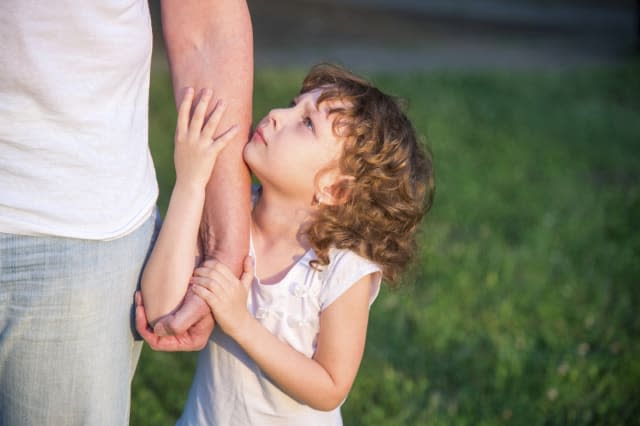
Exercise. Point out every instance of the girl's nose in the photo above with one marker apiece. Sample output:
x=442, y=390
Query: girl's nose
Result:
x=277, y=116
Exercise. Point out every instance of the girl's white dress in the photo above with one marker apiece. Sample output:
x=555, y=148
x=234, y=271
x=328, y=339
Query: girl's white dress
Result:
x=230, y=389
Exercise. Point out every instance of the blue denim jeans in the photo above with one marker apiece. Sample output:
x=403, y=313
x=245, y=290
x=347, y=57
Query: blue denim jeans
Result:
x=67, y=344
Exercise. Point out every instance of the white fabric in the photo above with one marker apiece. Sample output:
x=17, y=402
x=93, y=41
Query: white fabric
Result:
x=74, y=156
x=230, y=389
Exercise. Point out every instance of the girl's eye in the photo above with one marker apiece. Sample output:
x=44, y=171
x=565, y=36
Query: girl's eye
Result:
x=308, y=123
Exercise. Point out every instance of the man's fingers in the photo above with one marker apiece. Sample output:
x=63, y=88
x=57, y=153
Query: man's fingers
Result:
x=142, y=325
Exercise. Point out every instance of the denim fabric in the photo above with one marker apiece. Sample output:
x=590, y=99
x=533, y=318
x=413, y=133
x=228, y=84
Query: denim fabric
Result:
x=67, y=344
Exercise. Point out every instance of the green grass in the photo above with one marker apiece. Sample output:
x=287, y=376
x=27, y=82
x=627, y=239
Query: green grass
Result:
x=522, y=308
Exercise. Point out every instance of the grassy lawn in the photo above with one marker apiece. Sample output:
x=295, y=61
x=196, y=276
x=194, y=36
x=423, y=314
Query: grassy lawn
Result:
x=523, y=307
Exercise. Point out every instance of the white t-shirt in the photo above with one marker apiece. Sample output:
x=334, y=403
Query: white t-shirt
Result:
x=74, y=86
x=230, y=389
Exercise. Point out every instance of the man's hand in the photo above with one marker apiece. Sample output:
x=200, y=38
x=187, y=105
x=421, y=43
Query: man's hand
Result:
x=192, y=309
x=193, y=339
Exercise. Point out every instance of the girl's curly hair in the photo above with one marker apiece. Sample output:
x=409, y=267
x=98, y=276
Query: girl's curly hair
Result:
x=392, y=186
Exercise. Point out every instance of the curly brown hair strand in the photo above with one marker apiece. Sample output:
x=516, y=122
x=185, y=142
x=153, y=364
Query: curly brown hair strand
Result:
x=392, y=186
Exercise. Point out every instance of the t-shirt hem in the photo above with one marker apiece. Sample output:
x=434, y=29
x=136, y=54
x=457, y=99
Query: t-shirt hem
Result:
x=28, y=229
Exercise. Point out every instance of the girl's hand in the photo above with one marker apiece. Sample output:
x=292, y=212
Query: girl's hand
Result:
x=196, y=147
x=225, y=294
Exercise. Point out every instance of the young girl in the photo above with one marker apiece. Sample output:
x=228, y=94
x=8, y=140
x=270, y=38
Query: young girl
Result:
x=344, y=184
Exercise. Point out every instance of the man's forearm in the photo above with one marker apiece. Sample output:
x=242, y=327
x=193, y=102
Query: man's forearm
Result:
x=224, y=232
x=210, y=44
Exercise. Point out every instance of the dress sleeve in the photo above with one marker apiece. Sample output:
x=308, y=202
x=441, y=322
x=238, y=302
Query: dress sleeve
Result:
x=343, y=271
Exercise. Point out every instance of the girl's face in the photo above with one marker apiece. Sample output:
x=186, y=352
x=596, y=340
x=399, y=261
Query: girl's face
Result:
x=291, y=145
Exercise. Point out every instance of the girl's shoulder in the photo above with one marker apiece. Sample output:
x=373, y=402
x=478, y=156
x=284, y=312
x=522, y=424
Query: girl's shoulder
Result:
x=346, y=268
x=345, y=259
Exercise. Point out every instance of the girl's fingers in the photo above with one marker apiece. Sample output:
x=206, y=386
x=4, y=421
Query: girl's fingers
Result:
x=221, y=141
x=212, y=285
x=205, y=282
x=214, y=119
x=210, y=127
x=183, y=112
x=209, y=263
x=225, y=272
x=214, y=269
x=197, y=119
x=247, y=274
x=205, y=289
x=210, y=273
x=203, y=293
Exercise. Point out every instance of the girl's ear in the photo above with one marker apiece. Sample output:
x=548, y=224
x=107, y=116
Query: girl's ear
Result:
x=333, y=188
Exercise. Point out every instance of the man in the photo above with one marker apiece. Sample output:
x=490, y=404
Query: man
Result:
x=78, y=190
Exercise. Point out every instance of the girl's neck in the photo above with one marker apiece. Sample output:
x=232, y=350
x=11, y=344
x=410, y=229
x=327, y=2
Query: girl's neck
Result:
x=277, y=238
x=277, y=220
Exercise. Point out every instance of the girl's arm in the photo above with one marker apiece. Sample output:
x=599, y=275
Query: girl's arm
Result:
x=166, y=275
x=322, y=382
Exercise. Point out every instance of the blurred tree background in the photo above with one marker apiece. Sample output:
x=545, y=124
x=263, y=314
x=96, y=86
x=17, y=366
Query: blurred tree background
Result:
x=522, y=307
